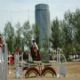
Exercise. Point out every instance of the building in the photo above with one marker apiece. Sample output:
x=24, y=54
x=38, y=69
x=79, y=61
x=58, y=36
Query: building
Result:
x=42, y=19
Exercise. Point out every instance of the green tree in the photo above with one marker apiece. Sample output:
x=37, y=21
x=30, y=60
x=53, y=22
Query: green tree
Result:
x=72, y=21
x=55, y=36
x=76, y=24
x=9, y=35
x=27, y=33
x=67, y=39
x=17, y=36
x=36, y=33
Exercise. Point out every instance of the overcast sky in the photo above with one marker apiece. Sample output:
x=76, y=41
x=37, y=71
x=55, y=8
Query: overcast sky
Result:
x=23, y=10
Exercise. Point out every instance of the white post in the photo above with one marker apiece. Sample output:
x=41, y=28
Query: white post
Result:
x=58, y=62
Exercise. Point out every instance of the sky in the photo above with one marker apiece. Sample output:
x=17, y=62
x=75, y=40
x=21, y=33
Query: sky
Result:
x=22, y=10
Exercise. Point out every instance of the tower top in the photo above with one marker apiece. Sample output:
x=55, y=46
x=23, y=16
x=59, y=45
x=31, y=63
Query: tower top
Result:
x=42, y=6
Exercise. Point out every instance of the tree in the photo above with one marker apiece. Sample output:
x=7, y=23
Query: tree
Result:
x=72, y=21
x=36, y=33
x=9, y=35
x=27, y=33
x=55, y=36
x=17, y=36
x=76, y=24
x=67, y=36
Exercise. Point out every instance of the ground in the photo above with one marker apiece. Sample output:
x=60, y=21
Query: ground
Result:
x=73, y=73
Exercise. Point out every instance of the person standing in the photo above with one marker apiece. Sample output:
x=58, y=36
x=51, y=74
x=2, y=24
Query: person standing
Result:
x=3, y=60
x=17, y=63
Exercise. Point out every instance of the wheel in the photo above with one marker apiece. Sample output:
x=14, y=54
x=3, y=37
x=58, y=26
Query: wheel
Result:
x=30, y=71
x=48, y=70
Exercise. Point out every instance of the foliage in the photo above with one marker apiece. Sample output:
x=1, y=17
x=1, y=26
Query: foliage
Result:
x=9, y=35
x=55, y=37
x=65, y=34
x=36, y=33
x=27, y=33
x=17, y=36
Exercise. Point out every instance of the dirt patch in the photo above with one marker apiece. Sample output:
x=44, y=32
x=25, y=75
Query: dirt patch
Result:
x=73, y=73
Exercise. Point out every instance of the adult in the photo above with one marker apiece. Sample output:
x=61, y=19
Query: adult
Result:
x=35, y=51
x=17, y=63
x=3, y=60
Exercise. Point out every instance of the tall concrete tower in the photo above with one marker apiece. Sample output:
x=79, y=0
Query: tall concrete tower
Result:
x=42, y=19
